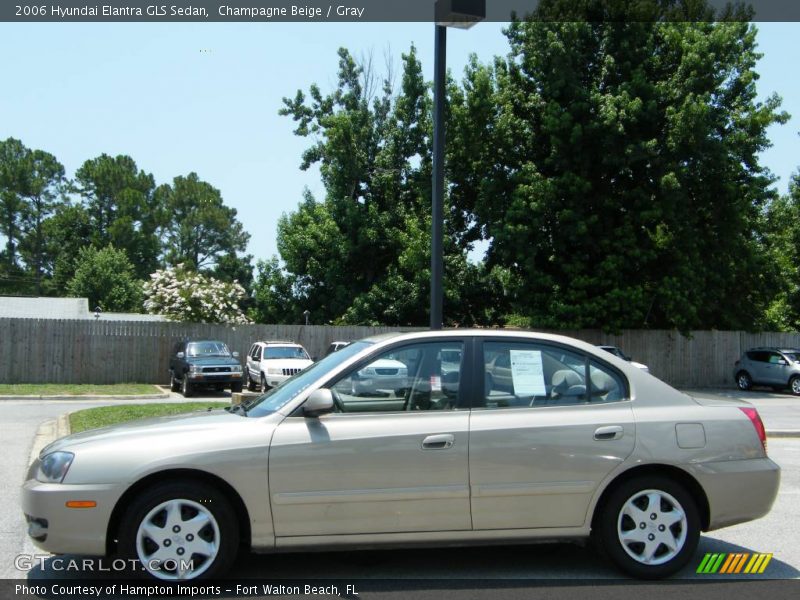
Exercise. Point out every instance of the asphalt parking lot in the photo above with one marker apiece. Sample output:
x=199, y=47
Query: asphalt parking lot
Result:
x=776, y=533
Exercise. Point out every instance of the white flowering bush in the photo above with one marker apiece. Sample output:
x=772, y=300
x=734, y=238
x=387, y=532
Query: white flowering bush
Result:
x=183, y=295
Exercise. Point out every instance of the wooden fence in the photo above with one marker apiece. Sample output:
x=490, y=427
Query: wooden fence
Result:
x=82, y=351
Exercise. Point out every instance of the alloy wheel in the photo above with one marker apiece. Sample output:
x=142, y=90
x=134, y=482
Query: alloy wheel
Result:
x=178, y=539
x=652, y=527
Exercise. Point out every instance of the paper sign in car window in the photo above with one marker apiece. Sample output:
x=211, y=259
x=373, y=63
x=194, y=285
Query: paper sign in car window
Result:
x=527, y=373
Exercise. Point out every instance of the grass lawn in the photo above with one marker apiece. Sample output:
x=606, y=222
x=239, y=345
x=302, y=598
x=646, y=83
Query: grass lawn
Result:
x=67, y=389
x=108, y=415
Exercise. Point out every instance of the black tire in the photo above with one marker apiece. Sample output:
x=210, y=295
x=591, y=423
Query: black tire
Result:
x=743, y=381
x=236, y=388
x=174, y=384
x=191, y=496
x=794, y=385
x=264, y=386
x=631, y=556
x=187, y=389
x=251, y=385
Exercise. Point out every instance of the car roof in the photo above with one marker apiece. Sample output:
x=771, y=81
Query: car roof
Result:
x=279, y=343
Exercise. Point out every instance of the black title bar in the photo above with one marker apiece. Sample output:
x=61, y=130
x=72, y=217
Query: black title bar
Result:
x=364, y=11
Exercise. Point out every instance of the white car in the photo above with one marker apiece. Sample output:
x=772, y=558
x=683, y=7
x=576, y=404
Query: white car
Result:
x=269, y=364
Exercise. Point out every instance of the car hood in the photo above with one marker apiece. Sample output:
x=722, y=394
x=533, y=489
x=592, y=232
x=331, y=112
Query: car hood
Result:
x=211, y=360
x=216, y=442
x=195, y=424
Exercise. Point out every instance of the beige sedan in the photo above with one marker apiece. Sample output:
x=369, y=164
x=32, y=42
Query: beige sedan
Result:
x=576, y=443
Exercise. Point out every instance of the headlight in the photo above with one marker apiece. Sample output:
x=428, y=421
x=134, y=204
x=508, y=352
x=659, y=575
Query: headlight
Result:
x=236, y=369
x=54, y=466
x=194, y=369
x=367, y=372
x=274, y=371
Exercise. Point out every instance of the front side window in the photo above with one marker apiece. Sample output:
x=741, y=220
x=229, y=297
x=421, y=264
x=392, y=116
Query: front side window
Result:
x=416, y=377
x=523, y=374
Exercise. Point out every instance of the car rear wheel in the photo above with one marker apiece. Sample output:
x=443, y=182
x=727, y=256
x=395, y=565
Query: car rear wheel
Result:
x=187, y=389
x=744, y=381
x=649, y=527
x=181, y=531
x=794, y=385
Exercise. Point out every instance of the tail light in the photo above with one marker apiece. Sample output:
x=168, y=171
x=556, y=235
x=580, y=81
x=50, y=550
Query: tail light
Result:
x=755, y=419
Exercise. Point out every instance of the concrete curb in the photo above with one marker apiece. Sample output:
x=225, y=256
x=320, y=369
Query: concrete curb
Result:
x=162, y=396
x=783, y=433
x=48, y=432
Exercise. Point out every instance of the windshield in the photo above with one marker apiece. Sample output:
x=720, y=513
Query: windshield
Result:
x=207, y=349
x=793, y=356
x=285, y=352
x=280, y=396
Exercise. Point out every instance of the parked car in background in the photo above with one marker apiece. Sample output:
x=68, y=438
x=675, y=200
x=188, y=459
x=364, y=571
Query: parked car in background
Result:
x=336, y=346
x=586, y=445
x=204, y=364
x=778, y=368
x=618, y=352
x=269, y=364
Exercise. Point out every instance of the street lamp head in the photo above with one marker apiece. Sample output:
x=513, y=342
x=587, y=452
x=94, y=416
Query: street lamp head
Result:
x=462, y=14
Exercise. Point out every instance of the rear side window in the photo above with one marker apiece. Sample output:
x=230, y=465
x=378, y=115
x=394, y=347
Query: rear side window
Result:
x=758, y=356
x=523, y=374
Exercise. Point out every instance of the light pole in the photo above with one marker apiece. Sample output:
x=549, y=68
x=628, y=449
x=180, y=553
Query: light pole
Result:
x=449, y=13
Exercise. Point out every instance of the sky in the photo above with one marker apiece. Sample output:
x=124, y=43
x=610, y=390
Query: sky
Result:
x=205, y=97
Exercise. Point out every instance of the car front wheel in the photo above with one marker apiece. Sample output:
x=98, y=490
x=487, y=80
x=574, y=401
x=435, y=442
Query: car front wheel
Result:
x=186, y=387
x=174, y=384
x=650, y=527
x=251, y=385
x=181, y=531
x=743, y=381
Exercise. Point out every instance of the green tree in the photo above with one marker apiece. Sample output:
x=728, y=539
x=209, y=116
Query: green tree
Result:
x=783, y=241
x=626, y=189
x=198, y=229
x=66, y=232
x=274, y=299
x=13, y=157
x=119, y=199
x=362, y=254
x=107, y=277
x=44, y=192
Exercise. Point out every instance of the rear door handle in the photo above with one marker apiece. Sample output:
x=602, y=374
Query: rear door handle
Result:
x=438, y=442
x=610, y=432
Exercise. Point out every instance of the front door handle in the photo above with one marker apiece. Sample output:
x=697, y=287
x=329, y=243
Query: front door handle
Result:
x=438, y=442
x=610, y=432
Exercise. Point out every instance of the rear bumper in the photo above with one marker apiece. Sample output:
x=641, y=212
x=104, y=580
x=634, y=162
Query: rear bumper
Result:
x=738, y=490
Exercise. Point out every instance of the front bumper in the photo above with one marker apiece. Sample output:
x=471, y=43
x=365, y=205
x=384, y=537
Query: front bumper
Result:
x=55, y=528
x=225, y=379
x=738, y=490
x=274, y=380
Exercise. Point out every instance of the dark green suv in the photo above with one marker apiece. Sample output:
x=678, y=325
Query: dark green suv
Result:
x=204, y=363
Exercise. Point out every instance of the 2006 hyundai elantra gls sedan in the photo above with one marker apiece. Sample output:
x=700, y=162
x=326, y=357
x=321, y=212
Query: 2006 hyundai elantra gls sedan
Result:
x=573, y=443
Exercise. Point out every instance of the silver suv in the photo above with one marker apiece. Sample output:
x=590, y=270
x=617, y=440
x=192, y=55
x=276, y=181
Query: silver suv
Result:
x=777, y=368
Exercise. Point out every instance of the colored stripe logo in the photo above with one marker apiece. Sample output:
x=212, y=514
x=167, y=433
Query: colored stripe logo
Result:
x=734, y=563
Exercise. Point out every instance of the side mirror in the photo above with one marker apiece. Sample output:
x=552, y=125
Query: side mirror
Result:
x=180, y=355
x=782, y=362
x=235, y=354
x=320, y=402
